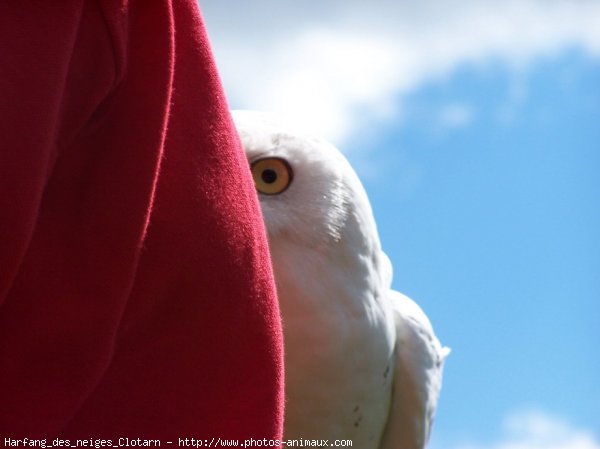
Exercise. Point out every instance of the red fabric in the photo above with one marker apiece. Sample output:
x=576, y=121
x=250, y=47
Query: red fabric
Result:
x=137, y=298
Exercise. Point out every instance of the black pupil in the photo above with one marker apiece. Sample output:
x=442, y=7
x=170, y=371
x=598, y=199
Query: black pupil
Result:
x=269, y=176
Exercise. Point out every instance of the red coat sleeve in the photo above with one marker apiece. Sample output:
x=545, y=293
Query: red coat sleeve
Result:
x=137, y=298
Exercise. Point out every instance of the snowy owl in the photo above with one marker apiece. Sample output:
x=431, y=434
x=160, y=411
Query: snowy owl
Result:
x=361, y=361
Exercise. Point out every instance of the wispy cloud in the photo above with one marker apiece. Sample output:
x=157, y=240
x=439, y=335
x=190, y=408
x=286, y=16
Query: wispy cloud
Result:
x=456, y=115
x=539, y=430
x=337, y=66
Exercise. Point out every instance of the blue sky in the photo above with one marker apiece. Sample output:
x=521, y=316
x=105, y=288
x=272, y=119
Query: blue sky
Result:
x=499, y=241
x=475, y=128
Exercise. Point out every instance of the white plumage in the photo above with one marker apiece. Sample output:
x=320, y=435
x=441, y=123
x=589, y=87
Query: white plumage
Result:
x=362, y=361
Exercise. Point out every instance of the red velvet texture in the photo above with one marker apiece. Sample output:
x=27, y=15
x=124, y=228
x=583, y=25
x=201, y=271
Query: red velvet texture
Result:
x=137, y=297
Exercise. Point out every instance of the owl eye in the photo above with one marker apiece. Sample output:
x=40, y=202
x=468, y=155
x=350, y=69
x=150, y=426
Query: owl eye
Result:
x=271, y=175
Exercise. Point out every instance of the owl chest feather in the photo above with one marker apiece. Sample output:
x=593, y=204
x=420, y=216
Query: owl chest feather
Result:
x=338, y=346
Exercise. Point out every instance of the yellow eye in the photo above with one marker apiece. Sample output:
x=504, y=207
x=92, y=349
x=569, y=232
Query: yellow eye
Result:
x=271, y=175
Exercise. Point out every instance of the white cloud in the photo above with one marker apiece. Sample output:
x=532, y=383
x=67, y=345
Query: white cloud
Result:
x=338, y=66
x=539, y=430
x=456, y=115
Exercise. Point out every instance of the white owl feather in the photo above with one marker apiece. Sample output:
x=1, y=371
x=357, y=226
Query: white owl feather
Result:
x=362, y=361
